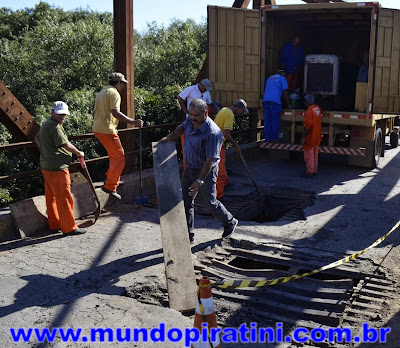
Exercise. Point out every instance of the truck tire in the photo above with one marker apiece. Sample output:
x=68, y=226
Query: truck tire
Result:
x=378, y=147
x=394, y=140
x=373, y=151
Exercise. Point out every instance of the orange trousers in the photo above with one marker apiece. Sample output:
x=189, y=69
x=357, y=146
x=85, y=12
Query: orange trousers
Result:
x=222, y=179
x=59, y=203
x=311, y=160
x=116, y=155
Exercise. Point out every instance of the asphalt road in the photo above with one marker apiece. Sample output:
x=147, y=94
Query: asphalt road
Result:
x=80, y=281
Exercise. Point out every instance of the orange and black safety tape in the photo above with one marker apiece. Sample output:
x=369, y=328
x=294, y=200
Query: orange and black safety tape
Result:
x=249, y=283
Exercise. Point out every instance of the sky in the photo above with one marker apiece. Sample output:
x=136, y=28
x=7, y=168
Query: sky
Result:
x=160, y=11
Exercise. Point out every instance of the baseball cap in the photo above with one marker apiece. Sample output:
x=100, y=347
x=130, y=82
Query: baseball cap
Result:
x=309, y=98
x=207, y=84
x=117, y=77
x=242, y=104
x=60, y=108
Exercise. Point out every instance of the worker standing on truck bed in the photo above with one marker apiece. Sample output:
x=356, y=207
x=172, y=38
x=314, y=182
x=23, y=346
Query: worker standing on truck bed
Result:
x=224, y=120
x=203, y=140
x=312, y=136
x=55, y=157
x=275, y=86
x=293, y=59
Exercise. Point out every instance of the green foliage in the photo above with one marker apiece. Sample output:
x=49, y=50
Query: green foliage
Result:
x=169, y=56
x=56, y=56
x=5, y=197
x=49, y=54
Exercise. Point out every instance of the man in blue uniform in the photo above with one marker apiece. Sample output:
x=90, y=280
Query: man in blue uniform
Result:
x=275, y=86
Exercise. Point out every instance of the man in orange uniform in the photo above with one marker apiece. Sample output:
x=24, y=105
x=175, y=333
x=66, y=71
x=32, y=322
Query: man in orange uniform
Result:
x=55, y=157
x=224, y=120
x=312, y=135
x=106, y=116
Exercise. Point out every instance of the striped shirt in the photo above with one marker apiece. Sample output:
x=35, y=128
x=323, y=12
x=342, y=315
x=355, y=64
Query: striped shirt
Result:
x=201, y=143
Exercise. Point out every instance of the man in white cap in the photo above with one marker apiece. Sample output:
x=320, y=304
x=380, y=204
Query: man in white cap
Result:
x=224, y=120
x=106, y=117
x=55, y=157
x=198, y=91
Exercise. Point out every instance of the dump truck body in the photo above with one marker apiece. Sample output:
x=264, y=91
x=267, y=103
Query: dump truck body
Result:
x=245, y=48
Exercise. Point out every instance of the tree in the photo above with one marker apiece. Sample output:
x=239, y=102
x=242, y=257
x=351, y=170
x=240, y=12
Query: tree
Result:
x=48, y=54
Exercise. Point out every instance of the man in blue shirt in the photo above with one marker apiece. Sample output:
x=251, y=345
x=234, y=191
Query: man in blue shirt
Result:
x=203, y=141
x=275, y=86
x=292, y=58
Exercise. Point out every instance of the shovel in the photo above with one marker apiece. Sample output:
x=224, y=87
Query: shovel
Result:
x=250, y=176
x=89, y=179
x=142, y=200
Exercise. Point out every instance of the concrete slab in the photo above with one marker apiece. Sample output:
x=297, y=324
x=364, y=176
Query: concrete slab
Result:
x=7, y=228
x=29, y=216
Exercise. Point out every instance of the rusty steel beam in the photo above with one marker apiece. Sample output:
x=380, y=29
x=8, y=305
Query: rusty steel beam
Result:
x=17, y=119
x=23, y=126
x=123, y=62
x=123, y=51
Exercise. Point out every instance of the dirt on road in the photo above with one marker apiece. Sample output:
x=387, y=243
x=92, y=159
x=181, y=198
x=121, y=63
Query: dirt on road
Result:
x=114, y=275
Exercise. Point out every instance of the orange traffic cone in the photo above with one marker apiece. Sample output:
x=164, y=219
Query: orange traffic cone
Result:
x=205, y=313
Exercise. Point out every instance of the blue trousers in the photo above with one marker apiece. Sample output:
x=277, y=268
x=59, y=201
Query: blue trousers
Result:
x=272, y=120
x=207, y=194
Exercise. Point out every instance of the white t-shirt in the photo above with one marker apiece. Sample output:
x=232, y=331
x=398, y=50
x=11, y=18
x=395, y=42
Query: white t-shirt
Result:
x=193, y=92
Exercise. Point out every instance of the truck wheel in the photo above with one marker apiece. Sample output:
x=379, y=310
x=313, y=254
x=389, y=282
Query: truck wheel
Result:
x=377, y=148
x=394, y=140
x=373, y=150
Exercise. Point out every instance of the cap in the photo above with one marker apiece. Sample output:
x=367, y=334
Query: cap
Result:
x=309, y=99
x=60, y=108
x=207, y=84
x=117, y=77
x=242, y=104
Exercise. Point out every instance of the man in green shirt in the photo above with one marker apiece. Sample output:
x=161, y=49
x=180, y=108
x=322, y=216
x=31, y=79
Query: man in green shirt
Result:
x=55, y=157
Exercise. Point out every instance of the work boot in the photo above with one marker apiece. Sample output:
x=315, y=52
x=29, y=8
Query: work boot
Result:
x=76, y=232
x=228, y=231
x=58, y=230
x=111, y=193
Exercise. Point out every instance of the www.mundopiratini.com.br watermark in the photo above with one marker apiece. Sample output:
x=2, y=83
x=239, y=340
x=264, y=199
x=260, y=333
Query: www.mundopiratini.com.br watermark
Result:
x=245, y=333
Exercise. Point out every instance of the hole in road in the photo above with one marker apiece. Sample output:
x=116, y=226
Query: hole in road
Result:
x=277, y=203
x=245, y=263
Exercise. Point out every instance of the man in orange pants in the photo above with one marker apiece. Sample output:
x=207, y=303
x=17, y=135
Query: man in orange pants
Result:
x=55, y=157
x=106, y=116
x=224, y=120
x=312, y=136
